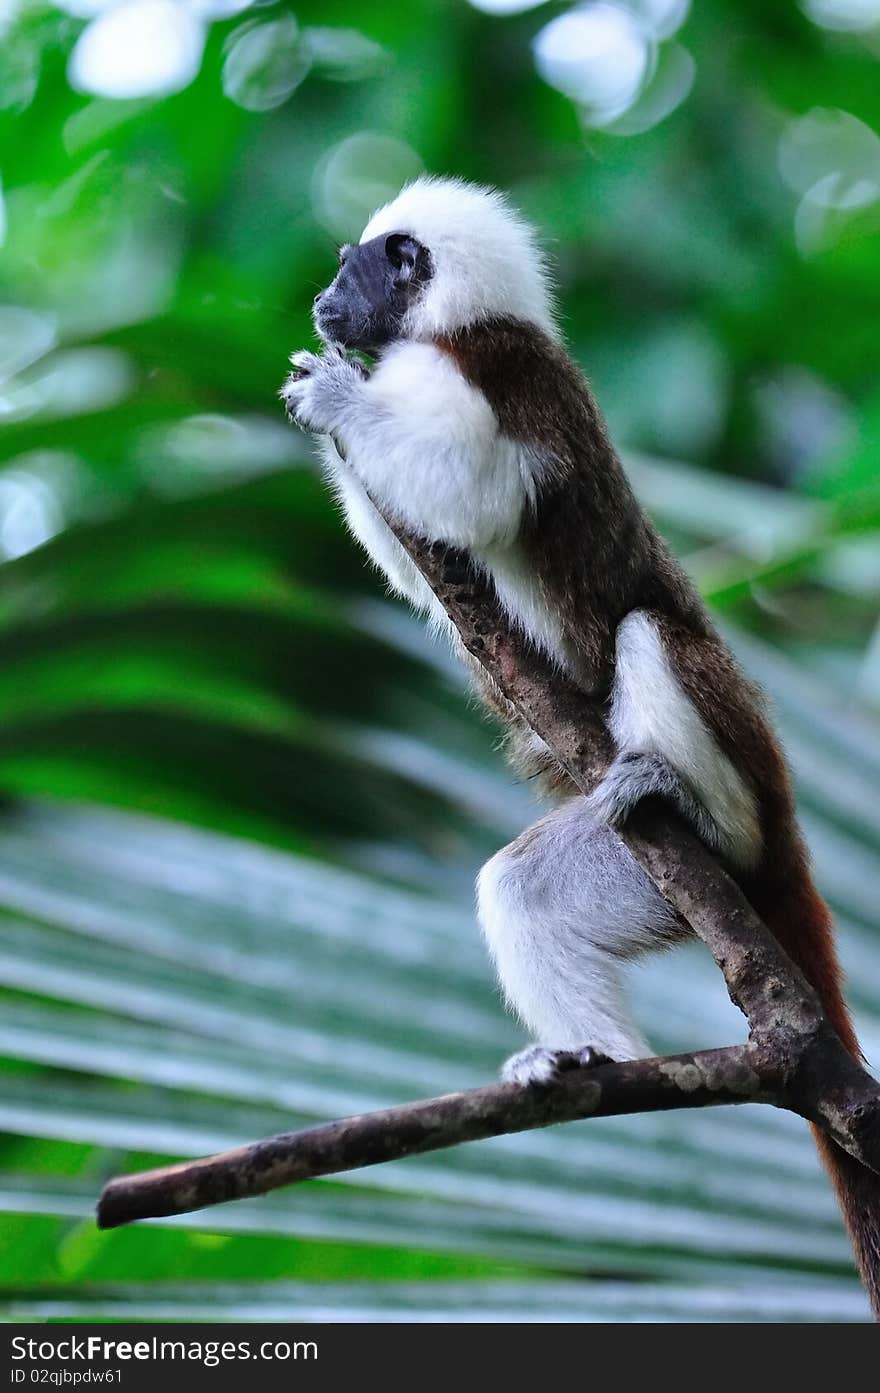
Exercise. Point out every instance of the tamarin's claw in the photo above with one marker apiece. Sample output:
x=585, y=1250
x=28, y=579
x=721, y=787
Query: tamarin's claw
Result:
x=540, y=1065
x=303, y=364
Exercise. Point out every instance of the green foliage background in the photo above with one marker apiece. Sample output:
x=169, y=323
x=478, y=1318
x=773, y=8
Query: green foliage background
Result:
x=244, y=797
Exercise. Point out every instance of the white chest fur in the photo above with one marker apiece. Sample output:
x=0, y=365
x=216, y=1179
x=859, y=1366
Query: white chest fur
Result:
x=425, y=445
x=376, y=537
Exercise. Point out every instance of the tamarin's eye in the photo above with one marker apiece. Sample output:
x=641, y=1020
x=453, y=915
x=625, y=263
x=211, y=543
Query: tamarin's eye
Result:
x=397, y=249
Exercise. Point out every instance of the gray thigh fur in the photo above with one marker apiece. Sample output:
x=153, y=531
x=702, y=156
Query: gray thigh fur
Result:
x=562, y=908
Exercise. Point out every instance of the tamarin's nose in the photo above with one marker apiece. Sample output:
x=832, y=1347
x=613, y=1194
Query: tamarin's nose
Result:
x=318, y=297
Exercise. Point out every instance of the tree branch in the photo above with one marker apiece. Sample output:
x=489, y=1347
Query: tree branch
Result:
x=739, y=1074
x=793, y=1059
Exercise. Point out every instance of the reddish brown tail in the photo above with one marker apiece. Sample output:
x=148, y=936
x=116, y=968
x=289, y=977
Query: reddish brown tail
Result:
x=802, y=923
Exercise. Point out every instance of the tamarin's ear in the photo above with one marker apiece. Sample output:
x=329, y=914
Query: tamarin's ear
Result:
x=402, y=251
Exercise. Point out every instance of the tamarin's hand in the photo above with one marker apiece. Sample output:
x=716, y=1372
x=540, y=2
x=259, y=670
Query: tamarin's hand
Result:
x=316, y=393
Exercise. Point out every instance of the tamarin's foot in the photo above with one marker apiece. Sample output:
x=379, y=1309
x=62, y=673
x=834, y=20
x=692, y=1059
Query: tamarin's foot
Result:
x=540, y=1065
x=633, y=776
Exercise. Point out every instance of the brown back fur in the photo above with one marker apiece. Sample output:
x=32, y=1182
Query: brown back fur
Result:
x=596, y=557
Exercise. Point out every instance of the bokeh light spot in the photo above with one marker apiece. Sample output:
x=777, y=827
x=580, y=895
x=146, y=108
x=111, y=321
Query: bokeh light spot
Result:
x=25, y=336
x=265, y=63
x=209, y=450
x=356, y=177
x=38, y=492
x=506, y=7
x=138, y=48
x=853, y=16
x=599, y=55
x=84, y=9
x=345, y=55
x=660, y=18
x=69, y=383
x=219, y=9
x=668, y=87
x=832, y=159
x=28, y=514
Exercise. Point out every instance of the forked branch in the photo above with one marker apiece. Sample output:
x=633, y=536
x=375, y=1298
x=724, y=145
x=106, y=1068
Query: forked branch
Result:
x=793, y=1058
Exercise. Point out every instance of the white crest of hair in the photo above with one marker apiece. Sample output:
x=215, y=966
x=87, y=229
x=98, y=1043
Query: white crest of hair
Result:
x=486, y=259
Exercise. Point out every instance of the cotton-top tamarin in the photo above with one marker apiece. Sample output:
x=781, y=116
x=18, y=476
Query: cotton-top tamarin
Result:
x=475, y=428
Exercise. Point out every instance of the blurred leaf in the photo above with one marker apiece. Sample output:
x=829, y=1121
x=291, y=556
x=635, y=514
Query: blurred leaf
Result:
x=174, y=992
x=186, y=632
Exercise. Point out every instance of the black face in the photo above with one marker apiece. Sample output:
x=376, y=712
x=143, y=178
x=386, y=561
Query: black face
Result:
x=375, y=285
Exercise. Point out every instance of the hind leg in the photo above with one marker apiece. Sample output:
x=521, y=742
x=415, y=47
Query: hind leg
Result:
x=563, y=908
